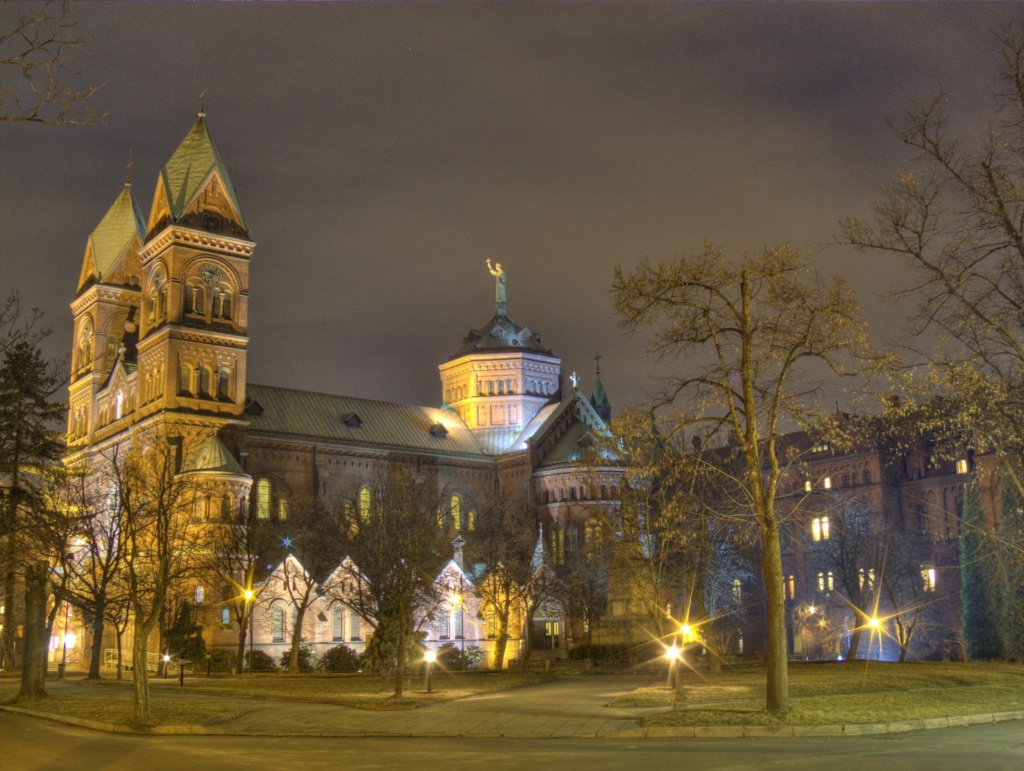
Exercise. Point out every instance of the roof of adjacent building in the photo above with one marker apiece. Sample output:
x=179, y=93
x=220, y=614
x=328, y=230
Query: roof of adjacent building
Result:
x=191, y=165
x=212, y=456
x=501, y=333
x=122, y=223
x=358, y=422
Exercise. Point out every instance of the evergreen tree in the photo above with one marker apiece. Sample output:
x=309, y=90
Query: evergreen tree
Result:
x=1012, y=546
x=978, y=581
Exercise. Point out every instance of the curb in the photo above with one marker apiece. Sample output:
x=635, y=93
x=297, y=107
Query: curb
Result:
x=652, y=732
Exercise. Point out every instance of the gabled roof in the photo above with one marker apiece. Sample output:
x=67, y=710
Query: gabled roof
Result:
x=381, y=425
x=537, y=430
x=569, y=447
x=121, y=224
x=211, y=457
x=189, y=168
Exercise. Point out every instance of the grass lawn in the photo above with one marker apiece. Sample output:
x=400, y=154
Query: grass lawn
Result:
x=362, y=691
x=117, y=707
x=857, y=692
x=171, y=704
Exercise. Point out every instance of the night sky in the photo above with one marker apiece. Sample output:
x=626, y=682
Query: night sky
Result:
x=382, y=153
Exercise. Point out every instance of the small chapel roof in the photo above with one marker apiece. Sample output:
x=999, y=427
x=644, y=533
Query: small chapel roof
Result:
x=211, y=456
x=191, y=165
x=122, y=222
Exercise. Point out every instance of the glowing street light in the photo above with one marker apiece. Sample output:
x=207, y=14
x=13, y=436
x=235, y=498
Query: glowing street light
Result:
x=430, y=657
x=873, y=623
x=672, y=654
x=167, y=660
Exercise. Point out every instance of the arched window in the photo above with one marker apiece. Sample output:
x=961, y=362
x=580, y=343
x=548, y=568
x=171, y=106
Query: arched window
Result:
x=471, y=521
x=223, y=385
x=277, y=623
x=456, y=509
x=365, y=502
x=226, y=507
x=737, y=590
x=185, y=379
x=282, y=509
x=195, y=300
x=118, y=406
x=866, y=476
x=162, y=309
x=85, y=345
x=263, y=499
x=831, y=581
x=337, y=623
x=791, y=586
x=221, y=304
x=354, y=626
x=206, y=383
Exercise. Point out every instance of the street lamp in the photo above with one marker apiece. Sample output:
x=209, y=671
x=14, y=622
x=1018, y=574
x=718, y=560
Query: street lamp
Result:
x=430, y=657
x=249, y=596
x=167, y=660
x=672, y=654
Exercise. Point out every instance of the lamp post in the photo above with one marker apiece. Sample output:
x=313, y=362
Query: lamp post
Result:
x=430, y=657
x=167, y=660
x=672, y=654
x=249, y=596
x=64, y=656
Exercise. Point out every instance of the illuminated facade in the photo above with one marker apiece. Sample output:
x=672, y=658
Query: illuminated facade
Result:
x=161, y=340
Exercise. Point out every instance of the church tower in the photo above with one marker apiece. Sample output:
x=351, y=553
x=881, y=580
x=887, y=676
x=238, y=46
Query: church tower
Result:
x=501, y=376
x=598, y=397
x=161, y=316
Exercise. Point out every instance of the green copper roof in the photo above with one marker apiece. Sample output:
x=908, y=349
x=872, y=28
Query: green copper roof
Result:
x=189, y=168
x=364, y=423
x=119, y=225
x=211, y=456
x=599, y=401
x=500, y=334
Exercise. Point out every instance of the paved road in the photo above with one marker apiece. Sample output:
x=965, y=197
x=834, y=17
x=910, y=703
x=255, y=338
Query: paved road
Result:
x=28, y=744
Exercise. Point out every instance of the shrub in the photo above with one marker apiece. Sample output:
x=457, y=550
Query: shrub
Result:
x=600, y=652
x=340, y=658
x=451, y=657
x=261, y=662
x=222, y=659
x=306, y=658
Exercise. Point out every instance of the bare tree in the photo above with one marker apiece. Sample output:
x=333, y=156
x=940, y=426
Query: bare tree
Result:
x=161, y=539
x=37, y=43
x=396, y=546
x=956, y=216
x=748, y=332
x=314, y=538
x=503, y=542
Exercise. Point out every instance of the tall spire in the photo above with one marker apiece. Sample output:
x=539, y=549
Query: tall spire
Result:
x=598, y=397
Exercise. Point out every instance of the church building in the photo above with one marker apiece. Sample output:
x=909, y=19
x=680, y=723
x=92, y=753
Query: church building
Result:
x=161, y=342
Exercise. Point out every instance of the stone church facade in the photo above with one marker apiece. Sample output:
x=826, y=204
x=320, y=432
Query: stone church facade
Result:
x=161, y=343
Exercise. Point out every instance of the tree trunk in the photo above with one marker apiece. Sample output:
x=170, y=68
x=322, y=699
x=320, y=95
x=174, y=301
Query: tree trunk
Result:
x=120, y=663
x=293, y=656
x=243, y=637
x=400, y=668
x=858, y=627
x=777, y=696
x=140, y=673
x=33, y=670
x=97, y=644
x=528, y=638
x=8, y=656
x=500, y=640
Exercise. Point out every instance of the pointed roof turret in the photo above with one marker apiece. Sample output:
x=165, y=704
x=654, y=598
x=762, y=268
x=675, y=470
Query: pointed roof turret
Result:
x=122, y=223
x=189, y=171
x=211, y=456
x=598, y=397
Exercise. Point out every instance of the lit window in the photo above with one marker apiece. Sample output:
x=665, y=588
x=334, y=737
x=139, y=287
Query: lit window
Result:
x=442, y=624
x=558, y=544
x=791, y=586
x=337, y=623
x=819, y=529
x=831, y=582
x=828, y=483
x=365, y=500
x=456, y=508
x=277, y=624
x=739, y=643
x=737, y=590
x=928, y=578
x=200, y=595
x=282, y=509
x=821, y=582
x=263, y=499
x=961, y=466
x=491, y=625
x=471, y=521
x=225, y=616
x=807, y=486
